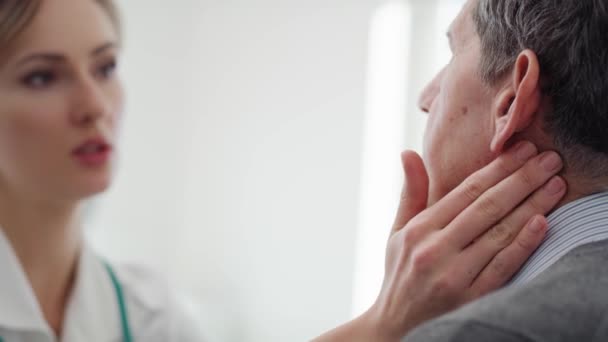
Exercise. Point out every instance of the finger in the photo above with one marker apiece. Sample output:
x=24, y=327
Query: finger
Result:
x=480, y=253
x=414, y=194
x=475, y=185
x=498, y=201
x=506, y=263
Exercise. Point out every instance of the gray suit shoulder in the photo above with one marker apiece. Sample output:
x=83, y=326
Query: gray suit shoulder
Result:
x=566, y=303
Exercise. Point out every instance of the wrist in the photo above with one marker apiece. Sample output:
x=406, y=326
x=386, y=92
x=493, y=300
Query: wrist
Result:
x=375, y=324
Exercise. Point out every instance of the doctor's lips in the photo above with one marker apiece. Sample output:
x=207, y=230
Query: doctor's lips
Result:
x=93, y=152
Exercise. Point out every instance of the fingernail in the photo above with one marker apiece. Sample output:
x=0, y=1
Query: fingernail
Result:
x=551, y=162
x=525, y=151
x=536, y=225
x=555, y=186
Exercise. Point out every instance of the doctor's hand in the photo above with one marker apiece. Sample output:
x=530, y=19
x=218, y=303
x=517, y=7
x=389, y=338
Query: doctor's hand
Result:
x=469, y=243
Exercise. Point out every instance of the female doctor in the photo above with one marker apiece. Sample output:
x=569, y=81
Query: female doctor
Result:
x=60, y=105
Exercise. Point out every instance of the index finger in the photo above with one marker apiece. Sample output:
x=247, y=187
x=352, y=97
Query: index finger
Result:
x=415, y=190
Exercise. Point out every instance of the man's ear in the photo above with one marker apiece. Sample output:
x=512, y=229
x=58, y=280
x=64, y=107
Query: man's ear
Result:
x=518, y=101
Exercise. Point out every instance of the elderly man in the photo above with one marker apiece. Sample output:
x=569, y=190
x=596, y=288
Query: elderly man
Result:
x=522, y=71
x=535, y=70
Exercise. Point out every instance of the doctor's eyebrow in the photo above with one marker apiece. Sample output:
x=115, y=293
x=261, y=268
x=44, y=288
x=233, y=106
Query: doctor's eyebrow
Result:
x=59, y=58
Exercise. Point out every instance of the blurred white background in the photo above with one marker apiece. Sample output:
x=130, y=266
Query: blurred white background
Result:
x=259, y=165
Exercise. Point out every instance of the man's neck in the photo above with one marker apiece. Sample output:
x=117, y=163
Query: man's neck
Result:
x=46, y=238
x=577, y=189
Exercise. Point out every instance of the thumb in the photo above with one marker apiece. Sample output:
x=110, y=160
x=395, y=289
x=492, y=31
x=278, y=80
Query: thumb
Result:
x=414, y=194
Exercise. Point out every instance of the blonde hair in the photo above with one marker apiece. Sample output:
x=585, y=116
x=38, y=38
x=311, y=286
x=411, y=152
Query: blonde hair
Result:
x=16, y=15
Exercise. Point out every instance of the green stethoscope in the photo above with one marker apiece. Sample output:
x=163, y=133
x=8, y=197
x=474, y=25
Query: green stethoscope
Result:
x=124, y=319
x=122, y=306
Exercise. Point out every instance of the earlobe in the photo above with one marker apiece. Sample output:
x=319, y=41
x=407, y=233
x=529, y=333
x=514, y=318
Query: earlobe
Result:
x=503, y=126
x=518, y=102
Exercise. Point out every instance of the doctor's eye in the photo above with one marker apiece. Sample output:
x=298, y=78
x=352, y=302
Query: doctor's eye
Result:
x=39, y=79
x=107, y=69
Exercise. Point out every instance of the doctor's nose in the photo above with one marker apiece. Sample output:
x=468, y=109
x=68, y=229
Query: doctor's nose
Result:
x=91, y=104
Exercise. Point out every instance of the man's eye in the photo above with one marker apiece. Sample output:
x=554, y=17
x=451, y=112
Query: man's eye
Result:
x=39, y=79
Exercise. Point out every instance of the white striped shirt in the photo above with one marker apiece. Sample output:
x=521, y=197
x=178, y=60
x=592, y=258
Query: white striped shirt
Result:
x=577, y=223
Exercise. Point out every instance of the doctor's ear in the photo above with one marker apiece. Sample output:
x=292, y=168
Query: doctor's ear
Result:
x=518, y=101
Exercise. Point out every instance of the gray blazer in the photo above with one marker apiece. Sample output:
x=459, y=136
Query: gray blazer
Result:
x=566, y=303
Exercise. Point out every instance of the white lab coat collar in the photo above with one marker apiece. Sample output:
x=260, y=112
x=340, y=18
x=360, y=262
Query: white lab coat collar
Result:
x=92, y=307
x=19, y=309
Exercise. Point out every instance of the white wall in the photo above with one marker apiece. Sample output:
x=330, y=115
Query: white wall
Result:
x=241, y=156
x=241, y=151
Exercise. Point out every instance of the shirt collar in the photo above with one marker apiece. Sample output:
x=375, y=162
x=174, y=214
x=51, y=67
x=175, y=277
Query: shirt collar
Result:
x=577, y=223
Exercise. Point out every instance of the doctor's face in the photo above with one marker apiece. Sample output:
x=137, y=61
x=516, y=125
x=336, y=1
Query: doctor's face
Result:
x=460, y=126
x=60, y=100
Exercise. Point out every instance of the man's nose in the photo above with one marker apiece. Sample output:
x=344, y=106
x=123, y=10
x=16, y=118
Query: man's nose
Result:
x=429, y=94
x=90, y=104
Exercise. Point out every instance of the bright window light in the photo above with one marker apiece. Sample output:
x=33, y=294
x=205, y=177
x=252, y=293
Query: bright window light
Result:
x=389, y=83
x=386, y=102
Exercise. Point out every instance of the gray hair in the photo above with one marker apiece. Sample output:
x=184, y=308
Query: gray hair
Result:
x=570, y=38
